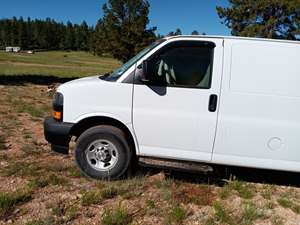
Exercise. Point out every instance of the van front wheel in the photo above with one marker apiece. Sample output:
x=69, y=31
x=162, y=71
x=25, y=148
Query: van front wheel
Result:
x=102, y=152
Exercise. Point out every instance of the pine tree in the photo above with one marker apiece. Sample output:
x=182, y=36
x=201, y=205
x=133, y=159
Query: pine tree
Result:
x=178, y=32
x=122, y=31
x=69, y=37
x=195, y=32
x=278, y=19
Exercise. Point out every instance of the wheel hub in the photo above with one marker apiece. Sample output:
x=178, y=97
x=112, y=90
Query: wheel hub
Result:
x=102, y=155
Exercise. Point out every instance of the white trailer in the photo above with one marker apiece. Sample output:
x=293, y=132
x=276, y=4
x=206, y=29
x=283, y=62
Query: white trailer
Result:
x=13, y=49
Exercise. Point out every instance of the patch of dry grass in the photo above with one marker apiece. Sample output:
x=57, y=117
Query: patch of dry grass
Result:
x=9, y=200
x=288, y=203
x=116, y=216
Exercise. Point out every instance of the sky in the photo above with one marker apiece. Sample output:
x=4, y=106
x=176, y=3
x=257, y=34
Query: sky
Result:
x=166, y=15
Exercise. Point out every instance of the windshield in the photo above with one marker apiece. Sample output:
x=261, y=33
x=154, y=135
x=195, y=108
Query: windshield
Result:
x=118, y=72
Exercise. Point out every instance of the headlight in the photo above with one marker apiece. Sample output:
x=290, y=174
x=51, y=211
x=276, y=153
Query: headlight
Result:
x=58, y=103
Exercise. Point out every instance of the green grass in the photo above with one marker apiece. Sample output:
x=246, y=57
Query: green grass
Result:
x=116, y=216
x=244, y=190
x=21, y=168
x=91, y=197
x=97, y=196
x=17, y=100
x=251, y=214
x=176, y=215
x=72, y=212
x=288, y=203
x=8, y=201
x=55, y=63
x=221, y=214
x=34, y=111
x=248, y=216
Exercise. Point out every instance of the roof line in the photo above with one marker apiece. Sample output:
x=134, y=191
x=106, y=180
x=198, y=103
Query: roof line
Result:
x=234, y=38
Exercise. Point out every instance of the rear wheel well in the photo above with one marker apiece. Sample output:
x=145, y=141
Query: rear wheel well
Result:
x=87, y=123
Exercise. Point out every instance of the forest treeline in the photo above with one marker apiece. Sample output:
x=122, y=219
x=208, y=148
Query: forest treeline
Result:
x=45, y=34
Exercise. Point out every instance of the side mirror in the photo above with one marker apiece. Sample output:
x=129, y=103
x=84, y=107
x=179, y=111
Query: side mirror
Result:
x=145, y=76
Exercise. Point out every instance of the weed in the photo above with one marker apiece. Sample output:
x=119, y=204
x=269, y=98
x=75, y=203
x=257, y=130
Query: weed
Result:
x=74, y=172
x=109, y=192
x=176, y=215
x=21, y=168
x=96, y=196
x=287, y=203
x=267, y=192
x=9, y=200
x=38, y=182
x=57, y=180
x=116, y=216
x=59, y=209
x=72, y=212
x=296, y=208
x=152, y=208
x=126, y=187
x=225, y=192
x=244, y=190
x=221, y=214
x=43, y=181
x=251, y=214
x=91, y=197
x=270, y=205
x=166, y=183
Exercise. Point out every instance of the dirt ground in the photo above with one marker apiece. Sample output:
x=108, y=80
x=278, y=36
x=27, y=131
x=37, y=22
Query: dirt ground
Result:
x=39, y=187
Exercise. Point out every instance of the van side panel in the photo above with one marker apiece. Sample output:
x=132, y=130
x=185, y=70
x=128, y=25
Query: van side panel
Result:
x=259, y=118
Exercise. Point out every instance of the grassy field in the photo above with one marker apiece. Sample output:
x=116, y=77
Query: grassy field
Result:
x=55, y=63
x=39, y=187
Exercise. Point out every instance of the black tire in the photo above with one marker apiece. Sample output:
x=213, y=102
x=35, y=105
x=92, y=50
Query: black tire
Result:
x=111, y=134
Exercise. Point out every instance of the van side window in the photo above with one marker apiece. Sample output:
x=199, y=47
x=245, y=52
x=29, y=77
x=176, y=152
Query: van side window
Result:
x=184, y=66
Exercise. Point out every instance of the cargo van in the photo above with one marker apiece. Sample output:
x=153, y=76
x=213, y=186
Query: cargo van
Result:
x=186, y=100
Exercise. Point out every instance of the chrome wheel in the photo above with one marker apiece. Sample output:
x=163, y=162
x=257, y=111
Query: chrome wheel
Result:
x=102, y=155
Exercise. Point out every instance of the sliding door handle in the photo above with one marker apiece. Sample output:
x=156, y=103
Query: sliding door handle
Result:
x=213, y=102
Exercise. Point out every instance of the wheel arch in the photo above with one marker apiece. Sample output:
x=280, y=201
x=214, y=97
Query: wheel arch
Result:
x=92, y=121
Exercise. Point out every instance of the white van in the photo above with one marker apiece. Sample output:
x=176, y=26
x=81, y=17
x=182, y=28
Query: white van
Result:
x=213, y=100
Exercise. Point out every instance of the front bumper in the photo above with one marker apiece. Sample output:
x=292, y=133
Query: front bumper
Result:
x=58, y=134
